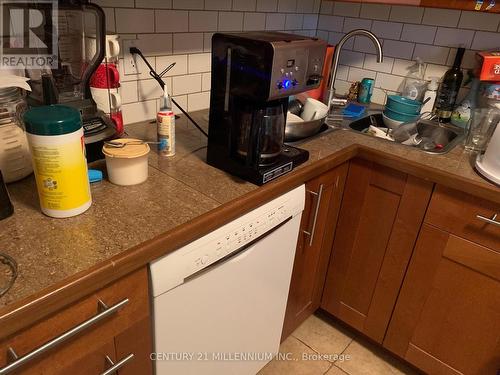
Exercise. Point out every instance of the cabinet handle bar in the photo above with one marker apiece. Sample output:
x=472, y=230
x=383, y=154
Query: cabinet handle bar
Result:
x=310, y=233
x=118, y=365
x=21, y=361
x=488, y=220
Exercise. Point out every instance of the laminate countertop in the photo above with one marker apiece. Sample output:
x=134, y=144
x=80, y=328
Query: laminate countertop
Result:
x=129, y=226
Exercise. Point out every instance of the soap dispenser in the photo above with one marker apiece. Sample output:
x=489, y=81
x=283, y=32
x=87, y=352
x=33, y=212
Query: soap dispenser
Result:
x=430, y=93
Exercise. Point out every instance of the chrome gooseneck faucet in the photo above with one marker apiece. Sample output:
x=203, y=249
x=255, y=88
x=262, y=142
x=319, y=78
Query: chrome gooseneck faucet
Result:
x=338, y=48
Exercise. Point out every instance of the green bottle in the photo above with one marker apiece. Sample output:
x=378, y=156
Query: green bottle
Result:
x=448, y=90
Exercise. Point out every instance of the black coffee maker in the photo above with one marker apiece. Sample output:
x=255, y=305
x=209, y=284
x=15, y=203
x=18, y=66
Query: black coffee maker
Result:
x=253, y=74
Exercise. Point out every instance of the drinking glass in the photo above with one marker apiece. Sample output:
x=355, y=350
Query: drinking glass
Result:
x=481, y=126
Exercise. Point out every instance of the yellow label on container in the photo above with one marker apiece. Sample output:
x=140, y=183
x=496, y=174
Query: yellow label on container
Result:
x=61, y=175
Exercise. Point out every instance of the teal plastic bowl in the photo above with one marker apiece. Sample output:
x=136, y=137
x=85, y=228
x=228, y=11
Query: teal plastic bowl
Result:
x=398, y=116
x=403, y=105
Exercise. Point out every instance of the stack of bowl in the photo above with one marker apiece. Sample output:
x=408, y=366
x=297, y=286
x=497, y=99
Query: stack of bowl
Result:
x=399, y=110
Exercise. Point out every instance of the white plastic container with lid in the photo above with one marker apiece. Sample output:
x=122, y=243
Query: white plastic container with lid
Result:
x=430, y=93
x=55, y=136
x=127, y=165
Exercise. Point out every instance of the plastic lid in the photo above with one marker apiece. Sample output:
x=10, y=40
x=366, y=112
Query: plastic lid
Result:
x=133, y=149
x=52, y=120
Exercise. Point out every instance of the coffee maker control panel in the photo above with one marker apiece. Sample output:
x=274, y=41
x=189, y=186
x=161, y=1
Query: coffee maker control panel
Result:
x=296, y=67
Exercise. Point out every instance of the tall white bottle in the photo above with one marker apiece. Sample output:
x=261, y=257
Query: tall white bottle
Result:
x=430, y=93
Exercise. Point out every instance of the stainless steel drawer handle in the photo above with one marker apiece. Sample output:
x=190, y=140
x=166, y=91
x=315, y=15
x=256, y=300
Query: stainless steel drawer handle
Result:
x=118, y=365
x=493, y=220
x=310, y=233
x=21, y=361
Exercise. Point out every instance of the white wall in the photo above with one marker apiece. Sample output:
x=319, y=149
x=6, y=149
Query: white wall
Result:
x=180, y=31
x=406, y=33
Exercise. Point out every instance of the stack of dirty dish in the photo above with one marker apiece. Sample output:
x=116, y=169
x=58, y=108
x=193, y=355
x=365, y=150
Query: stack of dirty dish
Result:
x=399, y=110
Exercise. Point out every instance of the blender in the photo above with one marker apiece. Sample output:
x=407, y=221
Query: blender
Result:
x=69, y=82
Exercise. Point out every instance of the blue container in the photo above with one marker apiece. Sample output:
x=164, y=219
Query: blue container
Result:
x=403, y=105
x=366, y=90
x=398, y=116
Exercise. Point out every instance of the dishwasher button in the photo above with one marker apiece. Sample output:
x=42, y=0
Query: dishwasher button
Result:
x=204, y=259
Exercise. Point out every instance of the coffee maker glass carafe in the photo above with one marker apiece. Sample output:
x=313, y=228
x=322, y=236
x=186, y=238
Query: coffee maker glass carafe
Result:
x=261, y=129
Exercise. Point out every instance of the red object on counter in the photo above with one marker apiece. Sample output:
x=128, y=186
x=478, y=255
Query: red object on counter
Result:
x=117, y=118
x=106, y=77
x=488, y=65
x=319, y=93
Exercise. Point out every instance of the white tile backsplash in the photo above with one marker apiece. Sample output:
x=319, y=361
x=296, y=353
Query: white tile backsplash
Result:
x=230, y=21
x=346, y=9
x=199, y=62
x=203, y=20
x=254, y=21
x=244, y=5
x=446, y=36
x=171, y=20
x=384, y=29
x=182, y=85
x=187, y=4
x=418, y=33
x=275, y=21
x=188, y=43
x=408, y=14
x=375, y=11
x=267, y=5
x=126, y=20
x=479, y=21
x=441, y=17
x=180, y=31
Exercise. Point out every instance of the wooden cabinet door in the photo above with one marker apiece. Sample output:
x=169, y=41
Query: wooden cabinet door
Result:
x=447, y=318
x=323, y=196
x=382, y=211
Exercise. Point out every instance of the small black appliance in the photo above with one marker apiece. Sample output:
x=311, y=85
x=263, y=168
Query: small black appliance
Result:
x=253, y=74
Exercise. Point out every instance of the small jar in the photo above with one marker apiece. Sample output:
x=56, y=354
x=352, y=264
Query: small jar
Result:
x=127, y=165
x=55, y=136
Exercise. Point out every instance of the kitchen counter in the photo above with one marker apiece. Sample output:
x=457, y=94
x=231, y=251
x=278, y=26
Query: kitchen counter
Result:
x=61, y=260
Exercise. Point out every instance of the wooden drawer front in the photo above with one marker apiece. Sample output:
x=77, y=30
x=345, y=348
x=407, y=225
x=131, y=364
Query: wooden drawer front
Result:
x=134, y=287
x=456, y=212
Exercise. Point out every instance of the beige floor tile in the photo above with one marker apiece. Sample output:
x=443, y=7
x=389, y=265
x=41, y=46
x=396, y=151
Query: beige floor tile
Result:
x=323, y=337
x=296, y=365
x=366, y=358
x=334, y=370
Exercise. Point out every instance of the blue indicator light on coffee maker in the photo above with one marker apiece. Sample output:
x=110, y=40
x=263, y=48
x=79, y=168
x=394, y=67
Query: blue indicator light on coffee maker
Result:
x=286, y=83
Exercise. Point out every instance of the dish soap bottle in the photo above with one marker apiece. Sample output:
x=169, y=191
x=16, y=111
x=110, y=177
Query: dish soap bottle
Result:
x=165, y=122
x=448, y=91
x=431, y=93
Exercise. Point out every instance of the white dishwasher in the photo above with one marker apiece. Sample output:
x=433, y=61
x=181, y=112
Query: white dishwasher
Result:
x=219, y=302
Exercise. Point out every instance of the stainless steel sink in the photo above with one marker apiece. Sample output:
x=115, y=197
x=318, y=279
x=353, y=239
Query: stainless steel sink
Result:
x=445, y=135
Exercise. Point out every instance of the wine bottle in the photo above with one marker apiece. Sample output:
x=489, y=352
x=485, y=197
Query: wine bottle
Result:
x=448, y=90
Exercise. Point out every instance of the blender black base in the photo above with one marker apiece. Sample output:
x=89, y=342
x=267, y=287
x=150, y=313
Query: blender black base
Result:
x=290, y=158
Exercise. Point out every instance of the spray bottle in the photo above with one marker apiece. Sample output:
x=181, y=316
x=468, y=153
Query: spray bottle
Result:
x=165, y=121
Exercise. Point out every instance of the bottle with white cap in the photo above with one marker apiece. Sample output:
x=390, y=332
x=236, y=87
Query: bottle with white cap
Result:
x=430, y=93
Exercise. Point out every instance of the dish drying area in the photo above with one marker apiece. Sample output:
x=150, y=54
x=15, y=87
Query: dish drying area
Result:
x=427, y=135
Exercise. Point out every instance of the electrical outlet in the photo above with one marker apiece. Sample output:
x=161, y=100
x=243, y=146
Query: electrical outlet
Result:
x=130, y=61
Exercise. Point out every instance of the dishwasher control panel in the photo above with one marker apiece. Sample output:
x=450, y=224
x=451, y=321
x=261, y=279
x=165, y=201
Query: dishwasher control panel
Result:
x=172, y=269
x=238, y=238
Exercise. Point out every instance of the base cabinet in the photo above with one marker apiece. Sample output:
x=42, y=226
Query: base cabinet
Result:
x=447, y=317
x=323, y=197
x=120, y=333
x=382, y=211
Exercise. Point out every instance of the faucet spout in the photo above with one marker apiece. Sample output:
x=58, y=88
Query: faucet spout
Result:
x=336, y=54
